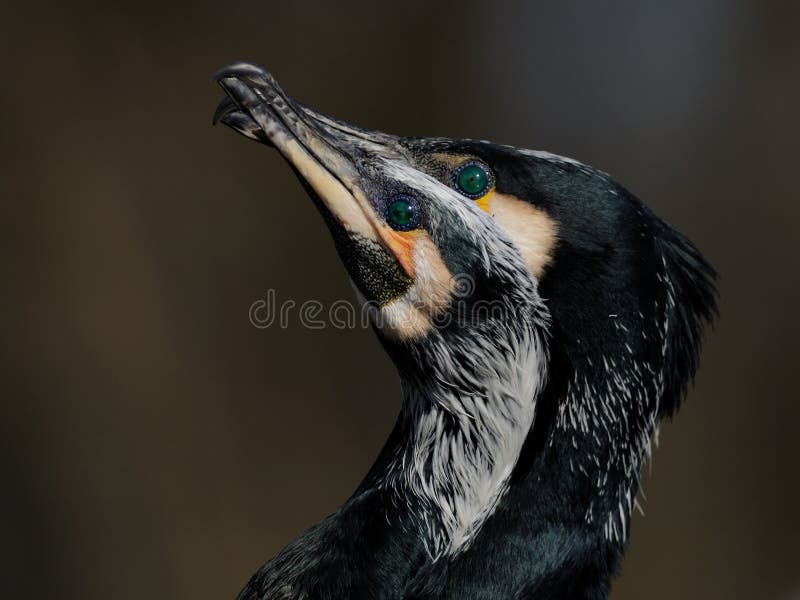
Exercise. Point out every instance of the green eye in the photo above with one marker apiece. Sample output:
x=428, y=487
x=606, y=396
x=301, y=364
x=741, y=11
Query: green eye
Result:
x=472, y=179
x=402, y=213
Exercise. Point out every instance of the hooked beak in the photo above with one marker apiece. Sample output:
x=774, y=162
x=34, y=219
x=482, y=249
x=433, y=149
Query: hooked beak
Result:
x=330, y=157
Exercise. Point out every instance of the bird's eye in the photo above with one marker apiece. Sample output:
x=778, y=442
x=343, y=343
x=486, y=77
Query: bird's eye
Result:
x=472, y=179
x=402, y=213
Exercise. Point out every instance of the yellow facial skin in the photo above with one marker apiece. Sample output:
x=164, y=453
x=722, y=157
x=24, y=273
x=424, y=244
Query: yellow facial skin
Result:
x=401, y=245
x=483, y=201
x=532, y=230
x=411, y=316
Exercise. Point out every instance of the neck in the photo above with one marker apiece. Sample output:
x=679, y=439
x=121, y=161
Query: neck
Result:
x=470, y=487
x=558, y=530
x=465, y=418
x=561, y=528
x=463, y=493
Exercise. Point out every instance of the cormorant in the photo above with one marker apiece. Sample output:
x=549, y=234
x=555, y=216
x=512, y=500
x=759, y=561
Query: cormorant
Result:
x=542, y=321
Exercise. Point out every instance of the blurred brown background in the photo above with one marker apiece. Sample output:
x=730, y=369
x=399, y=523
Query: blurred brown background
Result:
x=156, y=445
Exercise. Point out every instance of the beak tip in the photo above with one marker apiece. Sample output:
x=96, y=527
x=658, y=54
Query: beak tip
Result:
x=240, y=69
x=224, y=107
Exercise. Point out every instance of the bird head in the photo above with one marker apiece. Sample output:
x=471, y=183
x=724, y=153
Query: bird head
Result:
x=471, y=253
x=411, y=219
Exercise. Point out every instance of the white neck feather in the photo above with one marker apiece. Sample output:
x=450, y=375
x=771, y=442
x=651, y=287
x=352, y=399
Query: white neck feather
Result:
x=466, y=434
